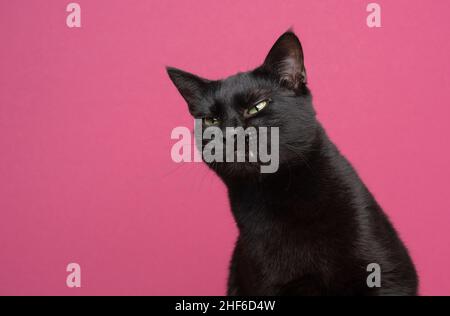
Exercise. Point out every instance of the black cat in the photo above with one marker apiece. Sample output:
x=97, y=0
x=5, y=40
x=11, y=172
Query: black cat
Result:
x=312, y=227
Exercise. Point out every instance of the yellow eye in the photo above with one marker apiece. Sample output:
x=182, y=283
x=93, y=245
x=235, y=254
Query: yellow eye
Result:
x=210, y=121
x=256, y=108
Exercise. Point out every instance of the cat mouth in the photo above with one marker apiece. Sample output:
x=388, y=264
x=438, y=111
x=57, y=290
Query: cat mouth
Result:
x=241, y=165
x=238, y=161
x=249, y=155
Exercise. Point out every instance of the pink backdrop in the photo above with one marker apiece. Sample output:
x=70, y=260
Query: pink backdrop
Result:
x=86, y=114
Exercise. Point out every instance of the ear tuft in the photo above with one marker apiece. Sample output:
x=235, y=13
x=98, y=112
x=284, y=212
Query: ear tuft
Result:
x=285, y=61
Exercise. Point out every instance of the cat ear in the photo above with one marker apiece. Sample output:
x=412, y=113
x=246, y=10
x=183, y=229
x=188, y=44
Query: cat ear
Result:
x=285, y=61
x=191, y=87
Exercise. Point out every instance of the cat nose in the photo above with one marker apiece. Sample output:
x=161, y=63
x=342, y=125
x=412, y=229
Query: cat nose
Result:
x=234, y=121
x=234, y=136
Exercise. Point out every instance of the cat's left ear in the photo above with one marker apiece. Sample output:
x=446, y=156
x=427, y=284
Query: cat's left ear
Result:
x=285, y=61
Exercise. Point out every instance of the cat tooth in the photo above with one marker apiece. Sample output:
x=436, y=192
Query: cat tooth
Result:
x=252, y=155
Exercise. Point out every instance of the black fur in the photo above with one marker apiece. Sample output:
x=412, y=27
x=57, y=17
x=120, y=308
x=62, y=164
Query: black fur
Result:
x=312, y=227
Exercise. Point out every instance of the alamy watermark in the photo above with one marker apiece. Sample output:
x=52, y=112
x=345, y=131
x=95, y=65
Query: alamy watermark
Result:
x=232, y=145
x=73, y=279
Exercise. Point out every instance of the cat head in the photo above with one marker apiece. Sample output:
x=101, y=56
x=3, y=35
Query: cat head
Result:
x=273, y=95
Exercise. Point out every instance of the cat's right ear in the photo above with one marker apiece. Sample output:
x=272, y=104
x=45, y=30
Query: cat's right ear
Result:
x=191, y=87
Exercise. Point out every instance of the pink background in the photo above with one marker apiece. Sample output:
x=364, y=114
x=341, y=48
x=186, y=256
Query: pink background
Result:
x=86, y=114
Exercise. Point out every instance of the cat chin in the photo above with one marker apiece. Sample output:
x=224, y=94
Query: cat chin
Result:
x=236, y=169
